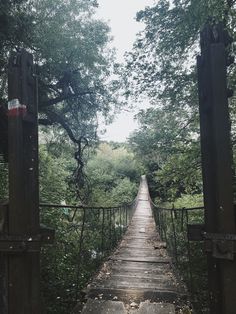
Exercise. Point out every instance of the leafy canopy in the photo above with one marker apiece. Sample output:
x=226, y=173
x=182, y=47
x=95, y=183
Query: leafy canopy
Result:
x=69, y=45
x=162, y=67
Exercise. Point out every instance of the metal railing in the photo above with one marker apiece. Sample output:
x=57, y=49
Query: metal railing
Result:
x=85, y=236
x=188, y=256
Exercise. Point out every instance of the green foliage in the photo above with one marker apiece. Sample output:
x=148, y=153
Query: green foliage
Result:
x=170, y=153
x=15, y=27
x=55, y=171
x=189, y=200
x=161, y=63
x=114, y=175
x=74, y=63
x=69, y=263
x=57, y=269
x=162, y=67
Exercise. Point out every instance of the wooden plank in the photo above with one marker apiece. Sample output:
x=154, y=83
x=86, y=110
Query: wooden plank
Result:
x=120, y=282
x=138, y=295
x=146, y=251
x=123, y=266
x=103, y=307
x=156, y=260
x=109, y=307
x=155, y=308
x=141, y=276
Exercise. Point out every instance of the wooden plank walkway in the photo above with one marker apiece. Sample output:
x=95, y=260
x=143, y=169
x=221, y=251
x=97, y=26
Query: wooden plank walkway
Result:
x=138, y=277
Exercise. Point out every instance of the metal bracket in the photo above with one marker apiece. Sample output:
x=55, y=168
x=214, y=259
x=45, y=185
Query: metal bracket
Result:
x=22, y=243
x=222, y=246
x=26, y=243
x=3, y=216
x=19, y=244
x=195, y=232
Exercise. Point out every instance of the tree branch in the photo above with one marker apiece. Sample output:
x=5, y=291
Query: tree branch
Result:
x=61, y=98
x=45, y=122
x=56, y=118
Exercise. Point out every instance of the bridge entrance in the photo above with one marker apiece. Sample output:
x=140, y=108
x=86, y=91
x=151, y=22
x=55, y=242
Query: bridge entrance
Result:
x=138, y=277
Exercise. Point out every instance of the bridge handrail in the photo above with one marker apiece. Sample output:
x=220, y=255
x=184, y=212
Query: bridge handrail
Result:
x=172, y=225
x=84, y=207
x=93, y=233
x=174, y=208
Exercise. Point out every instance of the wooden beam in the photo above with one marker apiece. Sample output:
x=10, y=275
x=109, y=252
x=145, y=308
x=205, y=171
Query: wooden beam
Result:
x=23, y=269
x=217, y=166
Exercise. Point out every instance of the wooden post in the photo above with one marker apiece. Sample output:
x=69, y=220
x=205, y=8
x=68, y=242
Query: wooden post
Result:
x=217, y=169
x=3, y=262
x=23, y=223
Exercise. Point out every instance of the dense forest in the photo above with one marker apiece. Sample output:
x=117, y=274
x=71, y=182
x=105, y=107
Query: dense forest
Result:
x=80, y=82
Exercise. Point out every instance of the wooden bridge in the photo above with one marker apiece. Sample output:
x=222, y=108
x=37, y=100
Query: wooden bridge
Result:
x=138, y=277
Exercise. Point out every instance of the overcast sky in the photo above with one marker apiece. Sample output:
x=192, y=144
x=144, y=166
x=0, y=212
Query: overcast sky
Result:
x=120, y=15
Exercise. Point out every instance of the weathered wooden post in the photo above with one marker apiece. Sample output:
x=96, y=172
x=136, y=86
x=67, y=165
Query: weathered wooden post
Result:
x=3, y=263
x=23, y=215
x=20, y=237
x=220, y=229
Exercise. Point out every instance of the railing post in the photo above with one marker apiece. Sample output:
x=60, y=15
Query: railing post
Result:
x=80, y=257
x=110, y=229
x=174, y=233
x=217, y=167
x=102, y=240
x=120, y=208
x=114, y=218
x=159, y=223
x=123, y=217
x=164, y=228
x=189, y=255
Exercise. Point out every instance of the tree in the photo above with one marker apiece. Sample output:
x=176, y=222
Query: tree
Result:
x=74, y=67
x=14, y=21
x=169, y=152
x=74, y=64
x=162, y=63
x=113, y=174
x=162, y=67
